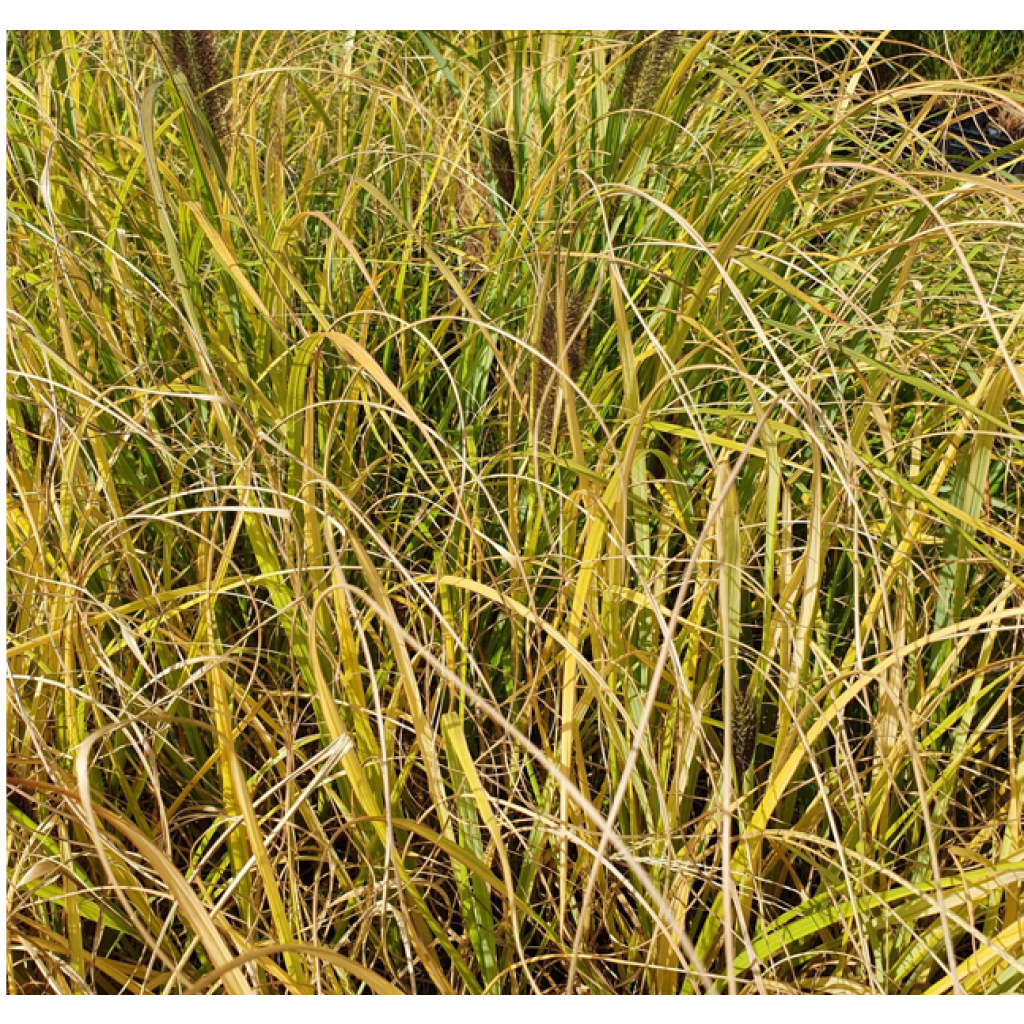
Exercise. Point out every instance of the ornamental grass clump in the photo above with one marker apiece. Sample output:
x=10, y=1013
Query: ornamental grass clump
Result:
x=384, y=570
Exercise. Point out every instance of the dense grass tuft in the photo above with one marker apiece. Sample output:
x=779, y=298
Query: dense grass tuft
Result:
x=577, y=555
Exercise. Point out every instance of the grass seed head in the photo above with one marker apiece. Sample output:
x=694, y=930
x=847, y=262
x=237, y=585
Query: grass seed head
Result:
x=744, y=730
x=576, y=333
x=545, y=382
x=197, y=54
x=503, y=165
x=633, y=70
x=647, y=68
x=660, y=60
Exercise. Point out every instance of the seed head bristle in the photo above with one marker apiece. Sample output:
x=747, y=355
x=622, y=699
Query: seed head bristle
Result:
x=545, y=378
x=575, y=333
x=744, y=730
x=503, y=165
x=197, y=54
x=633, y=71
x=661, y=55
x=211, y=69
x=181, y=53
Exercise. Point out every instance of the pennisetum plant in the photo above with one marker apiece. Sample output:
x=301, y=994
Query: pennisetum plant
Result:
x=308, y=648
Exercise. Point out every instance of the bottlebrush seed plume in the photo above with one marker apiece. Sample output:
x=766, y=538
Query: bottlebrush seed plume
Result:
x=197, y=54
x=503, y=165
x=545, y=378
x=660, y=60
x=647, y=68
x=633, y=71
x=744, y=730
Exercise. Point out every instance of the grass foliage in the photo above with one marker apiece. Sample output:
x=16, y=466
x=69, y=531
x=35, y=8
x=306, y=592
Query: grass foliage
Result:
x=521, y=512
x=934, y=54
